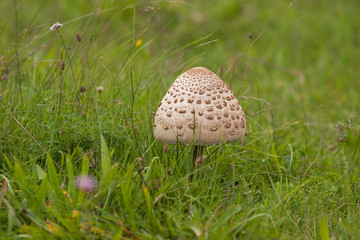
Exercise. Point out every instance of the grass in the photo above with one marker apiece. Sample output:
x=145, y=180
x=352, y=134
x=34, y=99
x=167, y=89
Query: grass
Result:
x=295, y=176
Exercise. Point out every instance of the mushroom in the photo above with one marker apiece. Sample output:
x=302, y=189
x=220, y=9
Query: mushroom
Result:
x=199, y=108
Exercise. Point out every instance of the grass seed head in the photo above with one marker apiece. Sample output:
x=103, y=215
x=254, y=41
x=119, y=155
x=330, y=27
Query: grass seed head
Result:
x=78, y=37
x=62, y=65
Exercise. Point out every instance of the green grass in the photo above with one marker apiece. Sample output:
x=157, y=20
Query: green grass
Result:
x=295, y=176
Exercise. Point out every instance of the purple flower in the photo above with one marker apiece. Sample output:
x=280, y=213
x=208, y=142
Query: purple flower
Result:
x=86, y=183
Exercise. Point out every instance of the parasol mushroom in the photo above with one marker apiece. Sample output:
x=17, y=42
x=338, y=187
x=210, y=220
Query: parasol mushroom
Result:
x=199, y=108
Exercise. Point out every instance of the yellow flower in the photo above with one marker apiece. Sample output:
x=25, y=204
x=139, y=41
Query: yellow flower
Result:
x=138, y=42
x=51, y=227
x=97, y=230
x=75, y=214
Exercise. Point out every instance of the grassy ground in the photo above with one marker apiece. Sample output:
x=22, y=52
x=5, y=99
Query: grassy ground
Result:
x=295, y=176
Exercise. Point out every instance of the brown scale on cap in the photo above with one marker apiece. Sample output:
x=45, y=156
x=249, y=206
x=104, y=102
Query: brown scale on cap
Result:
x=209, y=108
x=219, y=114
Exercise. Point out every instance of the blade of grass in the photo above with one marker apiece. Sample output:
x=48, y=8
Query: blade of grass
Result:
x=105, y=158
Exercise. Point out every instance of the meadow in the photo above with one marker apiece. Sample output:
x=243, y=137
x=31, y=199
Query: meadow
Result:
x=81, y=100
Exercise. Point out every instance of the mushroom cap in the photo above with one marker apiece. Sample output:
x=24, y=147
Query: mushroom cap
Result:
x=199, y=108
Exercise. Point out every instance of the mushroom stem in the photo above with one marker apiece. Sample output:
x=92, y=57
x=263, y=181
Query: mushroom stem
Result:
x=198, y=152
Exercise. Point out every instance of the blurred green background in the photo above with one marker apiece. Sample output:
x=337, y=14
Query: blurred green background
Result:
x=303, y=57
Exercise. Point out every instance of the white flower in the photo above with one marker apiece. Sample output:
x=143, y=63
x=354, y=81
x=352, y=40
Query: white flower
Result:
x=56, y=26
x=99, y=89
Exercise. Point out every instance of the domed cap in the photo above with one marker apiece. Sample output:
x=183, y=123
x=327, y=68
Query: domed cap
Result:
x=199, y=107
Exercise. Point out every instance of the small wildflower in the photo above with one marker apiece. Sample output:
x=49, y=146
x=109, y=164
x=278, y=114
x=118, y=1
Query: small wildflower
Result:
x=78, y=37
x=75, y=214
x=53, y=228
x=85, y=183
x=138, y=42
x=55, y=26
x=82, y=89
x=99, y=89
x=250, y=35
